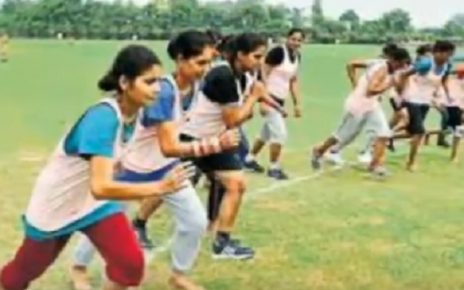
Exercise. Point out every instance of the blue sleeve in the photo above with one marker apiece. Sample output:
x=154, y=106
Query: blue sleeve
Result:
x=449, y=68
x=94, y=134
x=423, y=65
x=162, y=109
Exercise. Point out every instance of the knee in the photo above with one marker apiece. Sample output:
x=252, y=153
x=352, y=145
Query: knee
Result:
x=280, y=138
x=195, y=226
x=236, y=187
x=129, y=271
x=13, y=279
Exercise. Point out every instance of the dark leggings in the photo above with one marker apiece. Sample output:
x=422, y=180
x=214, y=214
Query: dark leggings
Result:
x=444, y=118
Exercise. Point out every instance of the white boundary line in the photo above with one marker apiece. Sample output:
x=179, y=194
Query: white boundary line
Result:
x=150, y=255
x=283, y=184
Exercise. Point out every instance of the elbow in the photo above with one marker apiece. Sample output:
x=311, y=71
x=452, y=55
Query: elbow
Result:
x=234, y=120
x=169, y=151
x=233, y=123
x=100, y=190
x=373, y=91
x=351, y=67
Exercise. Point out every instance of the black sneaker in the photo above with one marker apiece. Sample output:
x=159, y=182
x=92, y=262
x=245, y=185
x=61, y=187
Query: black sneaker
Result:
x=391, y=146
x=316, y=161
x=143, y=238
x=253, y=166
x=231, y=250
x=277, y=174
x=443, y=143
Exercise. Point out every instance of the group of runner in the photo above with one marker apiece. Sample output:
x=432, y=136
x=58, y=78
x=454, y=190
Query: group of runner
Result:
x=413, y=87
x=154, y=133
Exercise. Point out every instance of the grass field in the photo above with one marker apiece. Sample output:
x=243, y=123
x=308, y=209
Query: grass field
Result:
x=338, y=231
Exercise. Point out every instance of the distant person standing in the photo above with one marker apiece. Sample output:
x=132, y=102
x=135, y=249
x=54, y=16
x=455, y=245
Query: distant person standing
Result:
x=4, y=41
x=280, y=73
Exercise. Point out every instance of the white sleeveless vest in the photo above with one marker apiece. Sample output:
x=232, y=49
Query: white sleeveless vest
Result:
x=62, y=193
x=145, y=154
x=421, y=89
x=205, y=117
x=278, y=81
x=358, y=102
x=456, y=93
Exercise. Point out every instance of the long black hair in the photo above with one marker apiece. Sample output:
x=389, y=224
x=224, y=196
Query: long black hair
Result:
x=188, y=44
x=130, y=62
x=244, y=43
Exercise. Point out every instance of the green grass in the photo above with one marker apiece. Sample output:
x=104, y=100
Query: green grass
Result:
x=339, y=231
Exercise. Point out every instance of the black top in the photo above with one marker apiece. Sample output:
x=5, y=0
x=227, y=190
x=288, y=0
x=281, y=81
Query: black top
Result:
x=275, y=56
x=220, y=85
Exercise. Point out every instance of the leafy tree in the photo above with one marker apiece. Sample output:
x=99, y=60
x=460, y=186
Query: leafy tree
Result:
x=351, y=18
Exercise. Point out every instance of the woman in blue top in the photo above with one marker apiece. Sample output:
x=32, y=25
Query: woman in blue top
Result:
x=156, y=149
x=74, y=189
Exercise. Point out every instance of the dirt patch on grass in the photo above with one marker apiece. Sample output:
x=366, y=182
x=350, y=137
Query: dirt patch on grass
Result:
x=316, y=279
x=276, y=205
x=381, y=247
x=31, y=156
x=320, y=279
x=369, y=220
x=346, y=246
x=335, y=223
x=376, y=221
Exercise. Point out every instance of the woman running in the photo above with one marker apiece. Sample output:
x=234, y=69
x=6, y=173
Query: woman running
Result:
x=74, y=190
x=226, y=101
x=425, y=51
x=361, y=109
x=365, y=156
x=156, y=149
x=420, y=87
x=216, y=188
x=280, y=74
x=4, y=41
x=454, y=105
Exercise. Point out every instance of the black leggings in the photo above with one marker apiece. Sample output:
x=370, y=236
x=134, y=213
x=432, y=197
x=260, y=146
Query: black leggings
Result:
x=417, y=115
x=445, y=118
x=216, y=195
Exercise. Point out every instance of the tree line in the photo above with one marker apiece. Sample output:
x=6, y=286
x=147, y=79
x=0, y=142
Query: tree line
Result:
x=161, y=18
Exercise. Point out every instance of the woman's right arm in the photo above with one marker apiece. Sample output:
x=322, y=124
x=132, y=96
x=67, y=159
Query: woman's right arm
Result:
x=351, y=69
x=235, y=115
x=92, y=139
x=103, y=185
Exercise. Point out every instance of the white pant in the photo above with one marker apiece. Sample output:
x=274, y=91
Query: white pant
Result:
x=190, y=220
x=374, y=121
x=274, y=129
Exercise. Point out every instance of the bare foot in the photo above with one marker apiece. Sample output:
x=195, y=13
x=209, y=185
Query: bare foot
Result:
x=182, y=282
x=79, y=278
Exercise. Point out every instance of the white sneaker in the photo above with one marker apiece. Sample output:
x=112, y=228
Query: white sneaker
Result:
x=365, y=158
x=335, y=158
x=459, y=132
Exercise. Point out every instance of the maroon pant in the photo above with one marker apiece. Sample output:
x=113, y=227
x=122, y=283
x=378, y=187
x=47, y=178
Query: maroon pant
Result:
x=114, y=239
